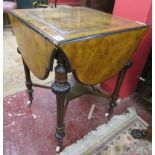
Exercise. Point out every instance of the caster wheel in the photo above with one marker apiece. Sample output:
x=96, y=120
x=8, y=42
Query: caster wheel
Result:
x=29, y=103
x=106, y=114
x=58, y=149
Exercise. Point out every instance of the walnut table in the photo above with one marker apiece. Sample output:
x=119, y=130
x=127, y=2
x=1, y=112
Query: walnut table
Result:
x=92, y=45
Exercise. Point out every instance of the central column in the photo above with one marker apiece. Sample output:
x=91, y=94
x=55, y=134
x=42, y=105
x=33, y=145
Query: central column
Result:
x=60, y=87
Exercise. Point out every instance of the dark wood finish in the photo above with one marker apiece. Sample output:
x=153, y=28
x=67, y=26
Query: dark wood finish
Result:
x=60, y=87
x=102, y=5
x=148, y=133
x=40, y=86
x=28, y=83
x=120, y=78
x=55, y=3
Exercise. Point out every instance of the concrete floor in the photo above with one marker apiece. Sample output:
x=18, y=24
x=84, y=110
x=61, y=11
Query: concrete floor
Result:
x=30, y=131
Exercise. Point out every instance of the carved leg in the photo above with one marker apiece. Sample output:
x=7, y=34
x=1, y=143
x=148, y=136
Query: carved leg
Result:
x=28, y=83
x=114, y=96
x=60, y=87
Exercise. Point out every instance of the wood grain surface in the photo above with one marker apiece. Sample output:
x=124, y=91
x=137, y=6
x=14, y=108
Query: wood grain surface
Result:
x=35, y=49
x=92, y=60
x=99, y=59
x=61, y=25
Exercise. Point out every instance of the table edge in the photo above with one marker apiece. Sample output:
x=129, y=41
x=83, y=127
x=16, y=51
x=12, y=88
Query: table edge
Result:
x=57, y=43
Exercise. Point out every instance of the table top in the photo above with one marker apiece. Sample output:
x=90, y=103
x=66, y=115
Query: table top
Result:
x=62, y=25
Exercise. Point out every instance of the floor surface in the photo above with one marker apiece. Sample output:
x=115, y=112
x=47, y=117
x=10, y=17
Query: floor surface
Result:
x=30, y=131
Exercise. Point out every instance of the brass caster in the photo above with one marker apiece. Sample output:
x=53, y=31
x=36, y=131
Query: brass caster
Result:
x=106, y=114
x=29, y=103
x=58, y=149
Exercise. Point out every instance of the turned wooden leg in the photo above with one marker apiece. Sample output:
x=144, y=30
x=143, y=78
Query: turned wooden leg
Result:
x=114, y=96
x=28, y=83
x=60, y=87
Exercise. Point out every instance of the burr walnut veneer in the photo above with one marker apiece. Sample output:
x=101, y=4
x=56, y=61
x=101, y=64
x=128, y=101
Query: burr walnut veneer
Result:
x=93, y=45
